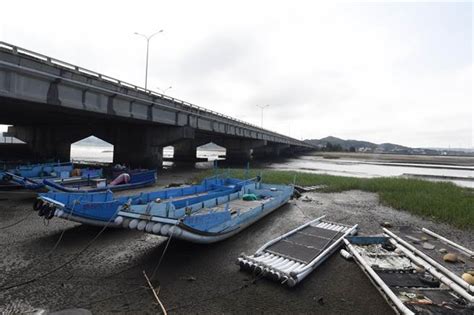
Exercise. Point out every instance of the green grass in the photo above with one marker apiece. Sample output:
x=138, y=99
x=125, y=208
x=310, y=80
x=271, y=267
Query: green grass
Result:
x=440, y=201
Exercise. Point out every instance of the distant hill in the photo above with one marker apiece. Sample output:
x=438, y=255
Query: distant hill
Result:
x=211, y=147
x=335, y=144
x=346, y=144
x=357, y=145
x=92, y=141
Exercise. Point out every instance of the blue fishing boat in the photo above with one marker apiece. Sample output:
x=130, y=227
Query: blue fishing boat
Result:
x=41, y=170
x=101, y=208
x=31, y=176
x=209, y=218
x=135, y=179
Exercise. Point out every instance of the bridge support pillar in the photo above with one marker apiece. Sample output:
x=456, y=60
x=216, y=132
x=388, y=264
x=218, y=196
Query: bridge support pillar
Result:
x=133, y=147
x=243, y=154
x=288, y=150
x=185, y=151
x=142, y=146
x=240, y=150
x=44, y=142
x=270, y=151
x=138, y=155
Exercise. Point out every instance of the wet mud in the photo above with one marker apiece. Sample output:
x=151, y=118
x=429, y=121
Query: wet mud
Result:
x=107, y=277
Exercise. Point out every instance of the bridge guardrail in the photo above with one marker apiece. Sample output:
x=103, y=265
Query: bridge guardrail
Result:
x=56, y=62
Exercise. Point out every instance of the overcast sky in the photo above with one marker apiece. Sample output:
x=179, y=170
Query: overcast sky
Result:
x=392, y=72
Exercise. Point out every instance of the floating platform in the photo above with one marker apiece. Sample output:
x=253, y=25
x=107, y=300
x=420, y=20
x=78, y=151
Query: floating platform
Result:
x=292, y=256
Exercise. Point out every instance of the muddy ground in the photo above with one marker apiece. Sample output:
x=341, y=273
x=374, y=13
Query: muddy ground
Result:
x=466, y=160
x=107, y=277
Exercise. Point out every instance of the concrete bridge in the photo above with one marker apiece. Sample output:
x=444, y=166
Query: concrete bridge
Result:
x=52, y=103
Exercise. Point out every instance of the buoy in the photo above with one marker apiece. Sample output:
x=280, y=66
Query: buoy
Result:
x=141, y=225
x=291, y=282
x=149, y=227
x=133, y=224
x=165, y=229
x=118, y=220
x=156, y=228
x=175, y=231
x=125, y=223
x=468, y=278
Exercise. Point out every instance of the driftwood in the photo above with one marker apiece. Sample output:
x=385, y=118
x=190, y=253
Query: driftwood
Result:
x=154, y=293
x=305, y=189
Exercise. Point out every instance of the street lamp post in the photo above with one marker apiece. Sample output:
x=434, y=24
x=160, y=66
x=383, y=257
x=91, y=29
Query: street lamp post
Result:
x=163, y=91
x=147, y=50
x=262, y=107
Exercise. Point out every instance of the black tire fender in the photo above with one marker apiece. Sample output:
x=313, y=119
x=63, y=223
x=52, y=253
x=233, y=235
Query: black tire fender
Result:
x=43, y=210
x=38, y=204
x=50, y=214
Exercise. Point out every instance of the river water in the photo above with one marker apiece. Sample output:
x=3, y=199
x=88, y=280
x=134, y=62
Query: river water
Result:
x=460, y=175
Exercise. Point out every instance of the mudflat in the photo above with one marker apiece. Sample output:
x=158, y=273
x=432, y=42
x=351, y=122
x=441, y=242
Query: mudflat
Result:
x=401, y=158
x=191, y=278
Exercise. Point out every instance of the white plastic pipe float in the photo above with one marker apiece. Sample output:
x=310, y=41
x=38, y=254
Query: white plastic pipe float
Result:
x=442, y=277
x=430, y=260
x=262, y=248
x=403, y=309
x=345, y=254
x=469, y=252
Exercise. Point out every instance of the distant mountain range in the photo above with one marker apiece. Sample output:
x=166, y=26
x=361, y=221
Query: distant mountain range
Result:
x=357, y=144
x=337, y=144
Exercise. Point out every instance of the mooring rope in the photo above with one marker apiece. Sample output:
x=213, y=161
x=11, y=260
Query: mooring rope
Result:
x=63, y=231
x=5, y=288
x=17, y=222
x=163, y=254
x=155, y=270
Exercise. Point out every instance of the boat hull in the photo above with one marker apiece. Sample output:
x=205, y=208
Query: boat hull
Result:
x=100, y=208
x=178, y=228
x=138, y=180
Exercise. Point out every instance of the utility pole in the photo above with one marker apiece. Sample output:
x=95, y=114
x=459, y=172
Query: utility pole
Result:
x=147, y=50
x=262, y=107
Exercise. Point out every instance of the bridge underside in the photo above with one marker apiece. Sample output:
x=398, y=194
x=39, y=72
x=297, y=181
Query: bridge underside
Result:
x=49, y=132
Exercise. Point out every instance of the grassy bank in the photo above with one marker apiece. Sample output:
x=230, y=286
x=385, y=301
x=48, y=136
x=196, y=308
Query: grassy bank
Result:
x=441, y=201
